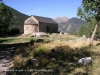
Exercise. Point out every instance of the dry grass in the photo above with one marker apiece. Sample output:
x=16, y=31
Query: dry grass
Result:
x=96, y=66
x=72, y=44
x=19, y=61
x=27, y=38
x=94, y=70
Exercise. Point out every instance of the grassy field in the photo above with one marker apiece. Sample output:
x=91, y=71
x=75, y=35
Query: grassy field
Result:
x=27, y=38
x=60, y=54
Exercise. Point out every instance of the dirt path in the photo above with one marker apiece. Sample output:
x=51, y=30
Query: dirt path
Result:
x=6, y=61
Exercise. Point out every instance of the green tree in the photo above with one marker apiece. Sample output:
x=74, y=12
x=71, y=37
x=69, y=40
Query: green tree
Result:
x=90, y=9
x=81, y=30
x=87, y=29
x=5, y=18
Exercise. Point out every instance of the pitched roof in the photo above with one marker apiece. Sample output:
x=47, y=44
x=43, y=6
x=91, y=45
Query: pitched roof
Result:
x=30, y=21
x=45, y=19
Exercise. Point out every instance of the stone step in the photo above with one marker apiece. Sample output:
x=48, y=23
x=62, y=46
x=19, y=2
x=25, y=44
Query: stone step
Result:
x=6, y=61
x=8, y=57
x=3, y=68
x=12, y=48
x=7, y=64
x=11, y=66
x=5, y=53
x=3, y=61
x=3, y=73
x=1, y=57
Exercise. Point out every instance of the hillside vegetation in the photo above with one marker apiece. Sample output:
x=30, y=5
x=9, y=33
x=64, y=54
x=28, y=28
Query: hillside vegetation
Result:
x=88, y=28
x=18, y=19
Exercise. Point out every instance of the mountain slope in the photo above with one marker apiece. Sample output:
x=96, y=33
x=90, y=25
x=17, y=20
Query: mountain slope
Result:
x=61, y=19
x=18, y=19
x=70, y=25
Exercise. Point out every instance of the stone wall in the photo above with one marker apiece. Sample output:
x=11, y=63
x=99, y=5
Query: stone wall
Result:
x=29, y=29
x=42, y=27
x=53, y=28
x=48, y=27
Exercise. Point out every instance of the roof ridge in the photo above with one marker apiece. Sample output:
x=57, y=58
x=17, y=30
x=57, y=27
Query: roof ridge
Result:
x=43, y=19
x=41, y=16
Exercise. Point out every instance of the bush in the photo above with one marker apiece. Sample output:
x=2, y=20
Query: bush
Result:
x=32, y=42
x=19, y=61
x=38, y=51
x=14, y=31
x=61, y=52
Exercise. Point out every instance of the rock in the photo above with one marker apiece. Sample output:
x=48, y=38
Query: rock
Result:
x=84, y=36
x=61, y=32
x=38, y=34
x=6, y=62
x=53, y=59
x=35, y=34
x=65, y=33
x=1, y=57
x=85, y=61
x=34, y=60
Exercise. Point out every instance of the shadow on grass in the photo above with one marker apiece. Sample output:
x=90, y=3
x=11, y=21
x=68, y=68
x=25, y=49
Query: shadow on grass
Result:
x=62, y=60
x=6, y=40
x=1, y=41
x=81, y=73
x=3, y=46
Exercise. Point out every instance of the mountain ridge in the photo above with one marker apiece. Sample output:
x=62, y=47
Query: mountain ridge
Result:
x=60, y=19
x=71, y=24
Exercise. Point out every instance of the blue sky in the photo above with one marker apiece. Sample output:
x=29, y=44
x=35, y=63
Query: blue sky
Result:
x=46, y=8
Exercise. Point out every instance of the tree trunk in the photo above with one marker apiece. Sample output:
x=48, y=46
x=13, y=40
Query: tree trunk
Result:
x=91, y=40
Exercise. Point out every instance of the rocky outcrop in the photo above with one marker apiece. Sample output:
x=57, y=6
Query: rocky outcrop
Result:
x=6, y=61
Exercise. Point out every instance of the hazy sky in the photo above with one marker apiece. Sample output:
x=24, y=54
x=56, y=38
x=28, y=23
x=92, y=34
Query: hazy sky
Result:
x=46, y=8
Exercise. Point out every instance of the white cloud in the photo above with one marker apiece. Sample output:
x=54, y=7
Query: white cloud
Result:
x=38, y=10
x=34, y=11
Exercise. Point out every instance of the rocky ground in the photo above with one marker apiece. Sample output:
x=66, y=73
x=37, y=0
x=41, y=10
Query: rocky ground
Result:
x=6, y=61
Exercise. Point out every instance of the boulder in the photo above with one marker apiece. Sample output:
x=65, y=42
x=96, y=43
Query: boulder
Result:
x=38, y=34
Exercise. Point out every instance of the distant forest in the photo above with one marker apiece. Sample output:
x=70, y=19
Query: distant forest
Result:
x=18, y=19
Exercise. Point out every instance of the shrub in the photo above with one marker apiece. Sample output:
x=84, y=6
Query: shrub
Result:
x=38, y=51
x=61, y=52
x=19, y=61
x=14, y=31
x=32, y=42
x=42, y=62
